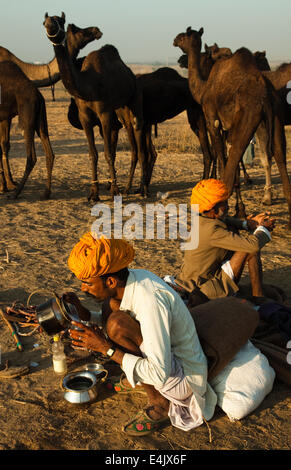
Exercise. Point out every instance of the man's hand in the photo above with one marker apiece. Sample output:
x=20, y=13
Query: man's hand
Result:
x=261, y=219
x=89, y=338
x=83, y=313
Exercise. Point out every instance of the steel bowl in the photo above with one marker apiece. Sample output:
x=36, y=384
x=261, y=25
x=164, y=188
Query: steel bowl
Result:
x=82, y=386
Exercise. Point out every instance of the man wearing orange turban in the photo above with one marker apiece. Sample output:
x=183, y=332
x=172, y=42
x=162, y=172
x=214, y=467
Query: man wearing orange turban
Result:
x=208, y=193
x=214, y=268
x=95, y=257
x=147, y=324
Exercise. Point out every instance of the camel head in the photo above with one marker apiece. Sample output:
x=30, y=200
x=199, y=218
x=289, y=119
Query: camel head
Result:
x=183, y=61
x=189, y=39
x=261, y=60
x=78, y=38
x=55, y=28
x=216, y=52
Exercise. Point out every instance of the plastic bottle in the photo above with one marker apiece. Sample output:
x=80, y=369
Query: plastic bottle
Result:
x=59, y=357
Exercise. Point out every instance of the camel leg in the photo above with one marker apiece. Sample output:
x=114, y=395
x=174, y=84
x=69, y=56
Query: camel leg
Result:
x=5, y=146
x=152, y=155
x=247, y=179
x=2, y=179
x=94, y=191
x=106, y=121
x=198, y=126
x=44, y=137
x=133, y=146
x=241, y=134
x=239, y=207
x=218, y=149
x=280, y=158
x=30, y=157
x=142, y=153
x=266, y=161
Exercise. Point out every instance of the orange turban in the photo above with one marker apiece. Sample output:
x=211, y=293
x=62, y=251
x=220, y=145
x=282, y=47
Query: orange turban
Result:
x=209, y=192
x=92, y=258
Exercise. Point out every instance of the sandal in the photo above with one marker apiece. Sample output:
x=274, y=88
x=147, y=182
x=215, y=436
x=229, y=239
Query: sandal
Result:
x=116, y=383
x=142, y=424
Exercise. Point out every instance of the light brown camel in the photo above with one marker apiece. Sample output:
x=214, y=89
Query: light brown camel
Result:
x=19, y=96
x=104, y=84
x=43, y=75
x=79, y=38
x=236, y=98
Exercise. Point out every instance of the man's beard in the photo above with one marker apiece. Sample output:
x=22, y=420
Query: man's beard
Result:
x=97, y=301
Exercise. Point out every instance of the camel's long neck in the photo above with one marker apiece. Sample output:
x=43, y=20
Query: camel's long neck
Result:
x=40, y=74
x=279, y=78
x=196, y=82
x=76, y=83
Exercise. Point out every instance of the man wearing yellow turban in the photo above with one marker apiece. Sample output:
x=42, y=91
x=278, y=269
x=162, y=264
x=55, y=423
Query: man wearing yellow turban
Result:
x=214, y=268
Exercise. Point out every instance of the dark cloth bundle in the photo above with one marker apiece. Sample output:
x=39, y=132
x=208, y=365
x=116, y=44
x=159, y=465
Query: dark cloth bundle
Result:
x=223, y=326
x=277, y=315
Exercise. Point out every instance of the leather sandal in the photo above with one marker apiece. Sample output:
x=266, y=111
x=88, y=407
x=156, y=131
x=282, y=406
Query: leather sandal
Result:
x=116, y=383
x=142, y=424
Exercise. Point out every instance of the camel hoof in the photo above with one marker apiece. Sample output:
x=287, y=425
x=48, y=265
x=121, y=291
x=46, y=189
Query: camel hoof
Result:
x=93, y=197
x=46, y=195
x=11, y=187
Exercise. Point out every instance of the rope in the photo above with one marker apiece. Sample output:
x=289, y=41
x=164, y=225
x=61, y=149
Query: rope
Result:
x=209, y=429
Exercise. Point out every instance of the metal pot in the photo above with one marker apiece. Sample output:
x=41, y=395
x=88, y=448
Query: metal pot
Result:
x=55, y=315
x=82, y=386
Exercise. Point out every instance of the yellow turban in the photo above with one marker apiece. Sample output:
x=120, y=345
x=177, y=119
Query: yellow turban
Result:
x=93, y=258
x=209, y=192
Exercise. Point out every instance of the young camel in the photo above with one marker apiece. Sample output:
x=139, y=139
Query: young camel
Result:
x=104, y=85
x=19, y=96
x=236, y=98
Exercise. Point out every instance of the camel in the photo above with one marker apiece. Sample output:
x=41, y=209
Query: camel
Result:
x=279, y=79
x=43, y=75
x=21, y=97
x=236, y=98
x=165, y=95
x=104, y=85
x=40, y=77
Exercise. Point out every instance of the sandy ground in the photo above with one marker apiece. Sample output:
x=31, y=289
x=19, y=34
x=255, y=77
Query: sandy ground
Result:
x=35, y=241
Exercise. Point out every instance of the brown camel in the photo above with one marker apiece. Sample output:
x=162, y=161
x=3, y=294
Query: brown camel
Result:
x=104, y=85
x=236, y=98
x=279, y=79
x=19, y=96
x=165, y=95
x=40, y=77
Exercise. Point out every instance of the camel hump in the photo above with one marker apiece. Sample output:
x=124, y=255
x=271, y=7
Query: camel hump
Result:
x=110, y=51
x=245, y=56
x=11, y=69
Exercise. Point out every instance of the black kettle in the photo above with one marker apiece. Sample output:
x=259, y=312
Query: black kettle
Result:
x=55, y=315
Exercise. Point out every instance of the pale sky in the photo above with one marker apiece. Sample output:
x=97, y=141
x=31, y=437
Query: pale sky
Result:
x=143, y=30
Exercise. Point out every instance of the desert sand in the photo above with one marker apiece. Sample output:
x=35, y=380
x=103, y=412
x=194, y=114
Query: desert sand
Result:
x=36, y=239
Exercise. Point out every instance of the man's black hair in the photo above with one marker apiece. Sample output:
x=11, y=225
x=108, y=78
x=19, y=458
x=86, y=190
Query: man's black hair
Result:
x=121, y=275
